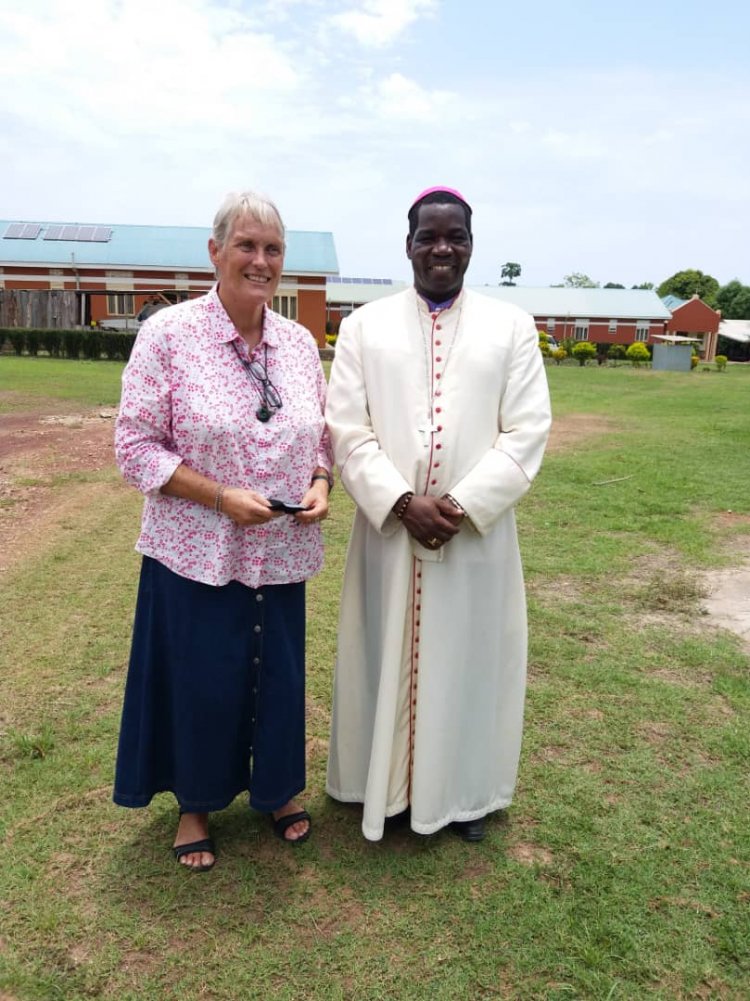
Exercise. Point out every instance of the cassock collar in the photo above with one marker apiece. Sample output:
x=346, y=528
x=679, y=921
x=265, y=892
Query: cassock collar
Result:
x=435, y=307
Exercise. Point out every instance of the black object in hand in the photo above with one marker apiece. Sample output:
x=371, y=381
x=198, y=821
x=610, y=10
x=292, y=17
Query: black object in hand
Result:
x=280, y=505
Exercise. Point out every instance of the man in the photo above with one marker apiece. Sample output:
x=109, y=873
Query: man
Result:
x=439, y=413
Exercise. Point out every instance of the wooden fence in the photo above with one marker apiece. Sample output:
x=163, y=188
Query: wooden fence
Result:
x=47, y=310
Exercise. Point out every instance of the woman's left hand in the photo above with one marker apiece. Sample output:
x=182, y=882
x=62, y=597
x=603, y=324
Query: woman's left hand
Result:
x=316, y=500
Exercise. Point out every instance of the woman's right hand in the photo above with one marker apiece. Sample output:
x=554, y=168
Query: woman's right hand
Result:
x=247, y=507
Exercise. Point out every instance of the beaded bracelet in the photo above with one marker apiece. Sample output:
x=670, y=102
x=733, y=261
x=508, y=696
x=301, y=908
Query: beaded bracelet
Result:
x=217, y=499
x=402, y=503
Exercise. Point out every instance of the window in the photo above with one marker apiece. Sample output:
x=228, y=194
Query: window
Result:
x=120, y=304
x=641, y=330
x=613, y=326
x=551, y=325
x=581, y=330
x=181, y=280
x=286, y=305
x=120, y=300
x=56, y=278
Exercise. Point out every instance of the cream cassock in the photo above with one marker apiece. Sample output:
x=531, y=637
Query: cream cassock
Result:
x=431, y=667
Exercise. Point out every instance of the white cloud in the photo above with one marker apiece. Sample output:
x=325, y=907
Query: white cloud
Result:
x=380, y=22
x=399, y=98
x=145, y=111
x=136, y=68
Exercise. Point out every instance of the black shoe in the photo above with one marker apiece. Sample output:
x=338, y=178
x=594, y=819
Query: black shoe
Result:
x=469, y=830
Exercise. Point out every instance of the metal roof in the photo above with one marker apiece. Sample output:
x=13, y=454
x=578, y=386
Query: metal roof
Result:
x=635, y=304
x=672, y=302
x=604, y=303
x=735, y=330
x=174, y=247
x=358, y=293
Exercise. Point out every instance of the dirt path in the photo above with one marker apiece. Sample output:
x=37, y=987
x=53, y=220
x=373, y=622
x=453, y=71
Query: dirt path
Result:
x=45, y=444
x=41, y=448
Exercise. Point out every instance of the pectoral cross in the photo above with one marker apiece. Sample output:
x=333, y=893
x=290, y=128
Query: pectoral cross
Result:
x=426, y=430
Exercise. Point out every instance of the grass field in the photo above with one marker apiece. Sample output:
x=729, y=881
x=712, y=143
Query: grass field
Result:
x=622, y=871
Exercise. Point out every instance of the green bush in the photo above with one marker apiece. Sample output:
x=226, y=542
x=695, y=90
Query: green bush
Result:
x=72, y=342
x=559, y=354
x=17, y=339
x=90, y=343
x=637, y=353
x=33, y=341
x=91, y=346
x=117, y=344
x=51, y=341
x=721, y=362
x=616, y=352
x=583, y=351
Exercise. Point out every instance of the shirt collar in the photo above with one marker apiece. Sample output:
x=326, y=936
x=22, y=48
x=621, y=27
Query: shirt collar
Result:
x=223, y=330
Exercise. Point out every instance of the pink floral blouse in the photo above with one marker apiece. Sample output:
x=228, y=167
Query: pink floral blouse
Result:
x=187, y=397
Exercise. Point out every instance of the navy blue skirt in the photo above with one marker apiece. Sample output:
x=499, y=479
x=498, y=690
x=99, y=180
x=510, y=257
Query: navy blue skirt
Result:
x=215, y=694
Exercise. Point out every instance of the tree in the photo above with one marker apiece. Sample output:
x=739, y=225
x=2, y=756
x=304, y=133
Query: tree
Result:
x=644, y=285
x=684, y=284
x=613, y=285
x=578, y=280
x=510, y=271
x=733, y=300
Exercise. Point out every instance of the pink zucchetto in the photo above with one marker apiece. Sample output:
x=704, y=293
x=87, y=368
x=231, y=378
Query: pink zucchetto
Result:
x=439, y=187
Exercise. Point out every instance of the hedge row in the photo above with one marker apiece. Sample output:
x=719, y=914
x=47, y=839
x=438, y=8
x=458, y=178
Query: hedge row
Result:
x=93, y=344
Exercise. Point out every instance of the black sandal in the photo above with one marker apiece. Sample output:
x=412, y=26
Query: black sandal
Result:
x=282, y=825
x=206, y=845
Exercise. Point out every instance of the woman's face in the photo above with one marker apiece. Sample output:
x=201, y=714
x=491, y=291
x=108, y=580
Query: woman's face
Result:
x=248, y=264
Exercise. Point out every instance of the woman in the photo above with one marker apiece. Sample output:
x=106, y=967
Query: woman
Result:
x=221, y=416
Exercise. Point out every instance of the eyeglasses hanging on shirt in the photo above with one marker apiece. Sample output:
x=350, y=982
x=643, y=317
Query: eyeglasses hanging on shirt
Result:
x=269, y=394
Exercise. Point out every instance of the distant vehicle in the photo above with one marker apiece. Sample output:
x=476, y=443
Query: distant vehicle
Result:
x=151, y=306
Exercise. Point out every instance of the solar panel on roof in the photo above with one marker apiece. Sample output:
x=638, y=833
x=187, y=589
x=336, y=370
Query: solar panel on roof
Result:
x=53, y=233
x=22, y=231
x=102, y=234
x=86, y=233
x=69, y=233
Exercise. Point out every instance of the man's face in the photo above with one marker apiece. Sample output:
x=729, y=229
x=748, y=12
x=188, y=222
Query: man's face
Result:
x=439, y=251
x=248, y=264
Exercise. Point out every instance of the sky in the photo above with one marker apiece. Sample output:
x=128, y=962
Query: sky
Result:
x=611, y=139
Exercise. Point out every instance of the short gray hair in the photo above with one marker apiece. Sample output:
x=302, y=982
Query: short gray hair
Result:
x=250, y=203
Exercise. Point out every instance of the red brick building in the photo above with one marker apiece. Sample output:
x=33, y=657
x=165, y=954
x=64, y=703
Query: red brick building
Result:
x=602, y=316
x=118, y=269
x=693, y=318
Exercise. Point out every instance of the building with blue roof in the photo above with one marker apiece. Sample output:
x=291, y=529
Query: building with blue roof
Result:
x=119, y=269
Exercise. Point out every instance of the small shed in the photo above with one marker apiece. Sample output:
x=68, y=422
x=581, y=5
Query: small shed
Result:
x=674, y=353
